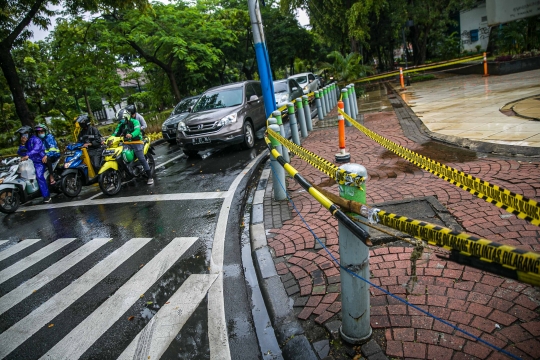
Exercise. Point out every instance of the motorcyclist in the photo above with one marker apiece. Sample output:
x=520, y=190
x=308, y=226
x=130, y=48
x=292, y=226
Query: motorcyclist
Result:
x=130, y=128
x=134, y=114
x=92, y=145
x=52, y=152
x=32, y=148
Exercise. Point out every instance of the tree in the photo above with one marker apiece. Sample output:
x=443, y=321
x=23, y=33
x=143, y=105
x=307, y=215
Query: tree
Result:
x=346, y=68
x=18, y=14
x=174, y=33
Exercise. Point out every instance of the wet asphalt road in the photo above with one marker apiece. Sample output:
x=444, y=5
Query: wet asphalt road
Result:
x=121, y=221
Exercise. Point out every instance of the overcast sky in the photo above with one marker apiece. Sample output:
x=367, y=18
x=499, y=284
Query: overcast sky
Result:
x=39, y=34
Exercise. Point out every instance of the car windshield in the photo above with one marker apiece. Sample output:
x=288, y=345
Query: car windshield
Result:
x=219, y=99
x=184, y=106
x=280, y=86
x=301, y=79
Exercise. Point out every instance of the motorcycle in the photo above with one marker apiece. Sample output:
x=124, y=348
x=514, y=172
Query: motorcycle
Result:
x=78, y=168
x=18, y=183
x=121, y=165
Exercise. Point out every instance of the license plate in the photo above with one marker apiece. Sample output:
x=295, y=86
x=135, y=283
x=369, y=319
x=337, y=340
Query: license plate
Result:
x=202, y=140
x=70, y=153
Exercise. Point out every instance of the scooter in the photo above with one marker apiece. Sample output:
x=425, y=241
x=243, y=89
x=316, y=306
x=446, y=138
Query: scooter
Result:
x=18, y=183
x=78, y=168
x=121, y=165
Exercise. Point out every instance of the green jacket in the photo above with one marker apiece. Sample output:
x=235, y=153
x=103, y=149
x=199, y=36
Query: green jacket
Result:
x=132, y=127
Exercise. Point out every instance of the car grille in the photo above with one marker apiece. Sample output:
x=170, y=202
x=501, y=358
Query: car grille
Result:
x=203, y=128
x=172, y=126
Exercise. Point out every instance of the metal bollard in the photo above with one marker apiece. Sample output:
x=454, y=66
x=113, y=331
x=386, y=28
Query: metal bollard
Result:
x=343, y=156
x=350, y=98
x=278, y=172
x=331, y=96
x=323, y=105
x=333, y=92
x=345, y=99
x=293, y=124
x=355, y=101
x=301, y=117
x=326, y=102
x=354, y=255
x=285, y=152
x=307, y=112
x=318, y=104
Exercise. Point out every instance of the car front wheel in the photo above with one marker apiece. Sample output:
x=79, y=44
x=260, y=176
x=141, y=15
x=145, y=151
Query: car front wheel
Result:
x=249, y=135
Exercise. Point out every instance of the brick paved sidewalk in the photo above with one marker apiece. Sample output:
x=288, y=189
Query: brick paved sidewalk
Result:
x=503, y=312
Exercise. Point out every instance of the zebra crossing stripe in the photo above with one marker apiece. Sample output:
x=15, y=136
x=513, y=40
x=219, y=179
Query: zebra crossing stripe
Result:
x=33, y=259
x=74, y=344
x=52, y=272
x=32, y=323
x=2, y=242
x=12, y=250
x=158, y=334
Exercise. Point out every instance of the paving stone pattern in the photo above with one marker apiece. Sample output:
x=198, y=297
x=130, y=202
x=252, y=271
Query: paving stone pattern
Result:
x=501, y=311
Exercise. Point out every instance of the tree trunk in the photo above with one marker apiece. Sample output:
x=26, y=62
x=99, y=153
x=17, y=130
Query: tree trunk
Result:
x=354, y=45
x=87, y=101
x=172, y=79
x=10, y=73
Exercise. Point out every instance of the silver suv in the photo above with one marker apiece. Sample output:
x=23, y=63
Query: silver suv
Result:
x=224, y=115
x=307, y=81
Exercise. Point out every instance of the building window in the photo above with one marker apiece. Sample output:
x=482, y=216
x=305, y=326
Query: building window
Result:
x=484, y=18
x=474, y=35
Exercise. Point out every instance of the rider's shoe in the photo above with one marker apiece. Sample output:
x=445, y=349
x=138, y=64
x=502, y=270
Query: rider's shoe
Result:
x=150, y=181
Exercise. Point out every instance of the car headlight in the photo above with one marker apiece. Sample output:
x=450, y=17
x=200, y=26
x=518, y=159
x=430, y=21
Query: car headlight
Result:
x=182, y=126
x=305, y=87
x=164, y=128
x=227, y=120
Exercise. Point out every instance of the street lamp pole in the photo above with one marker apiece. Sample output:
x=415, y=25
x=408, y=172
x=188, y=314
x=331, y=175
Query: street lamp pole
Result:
x=409, y=23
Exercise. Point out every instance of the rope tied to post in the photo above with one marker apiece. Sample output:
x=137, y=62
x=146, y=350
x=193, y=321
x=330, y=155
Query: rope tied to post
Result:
x=415, y=255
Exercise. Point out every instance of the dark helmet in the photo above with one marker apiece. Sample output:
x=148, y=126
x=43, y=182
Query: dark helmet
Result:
x=41, y=127
x=25, y=130
x=132, y=109
x=83, y=120
x=123, y=114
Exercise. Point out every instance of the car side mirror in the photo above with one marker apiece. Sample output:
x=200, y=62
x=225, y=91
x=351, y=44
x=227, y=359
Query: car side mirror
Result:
x=294, y=88
x=253, y=98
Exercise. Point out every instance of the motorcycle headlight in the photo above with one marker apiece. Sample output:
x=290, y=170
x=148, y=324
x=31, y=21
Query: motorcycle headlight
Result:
x=227, y=120
x=182, y=126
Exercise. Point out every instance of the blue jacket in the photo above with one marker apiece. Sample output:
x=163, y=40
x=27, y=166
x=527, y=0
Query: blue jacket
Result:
x=33, y=148
x=51, y=147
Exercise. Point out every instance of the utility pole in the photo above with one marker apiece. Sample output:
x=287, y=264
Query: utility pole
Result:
x=263, y=61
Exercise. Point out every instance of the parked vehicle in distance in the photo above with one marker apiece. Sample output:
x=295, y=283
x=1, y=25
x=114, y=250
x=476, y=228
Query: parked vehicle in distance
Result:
x=168, y=129
x=224, y=115
x=307, y=80
x=286, y=90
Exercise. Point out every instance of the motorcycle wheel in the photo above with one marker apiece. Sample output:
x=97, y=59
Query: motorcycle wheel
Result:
x=9, y=201
x=151, y=163
x=110, y=182
x=71, y=185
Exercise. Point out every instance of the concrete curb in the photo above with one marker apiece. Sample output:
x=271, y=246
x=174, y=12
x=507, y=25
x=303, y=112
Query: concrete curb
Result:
x=289, y=331
x=478, y=146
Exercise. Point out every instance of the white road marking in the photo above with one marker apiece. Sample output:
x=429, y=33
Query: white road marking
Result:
x=32, y=323
x=158, y=334
x=12, y=250
x=168, y=161
x=33, y=259
x=73, y=345
x=217, y=326
x=131, y=199
x=26, y=289
x=2, y=242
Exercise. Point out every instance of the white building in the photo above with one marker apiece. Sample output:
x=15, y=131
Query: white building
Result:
x=474, y=27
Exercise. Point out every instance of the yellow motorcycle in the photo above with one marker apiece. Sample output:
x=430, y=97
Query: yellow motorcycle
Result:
x=121, y=165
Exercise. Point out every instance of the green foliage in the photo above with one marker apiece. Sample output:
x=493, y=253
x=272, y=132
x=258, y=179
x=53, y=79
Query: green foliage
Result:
x=346, y=68
x=517, y=36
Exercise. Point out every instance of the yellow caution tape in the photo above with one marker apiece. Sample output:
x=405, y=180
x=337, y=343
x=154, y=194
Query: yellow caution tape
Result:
x=525, y=263
x=419, y=68
x=341, y=176
x=516, y=204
